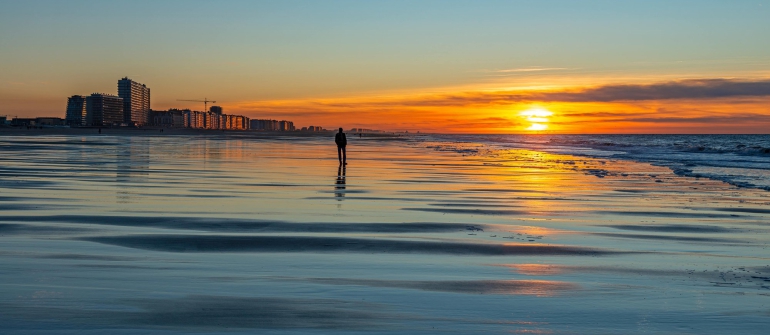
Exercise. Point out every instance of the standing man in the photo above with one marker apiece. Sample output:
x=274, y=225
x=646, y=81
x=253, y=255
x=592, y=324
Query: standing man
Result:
x=341, y=141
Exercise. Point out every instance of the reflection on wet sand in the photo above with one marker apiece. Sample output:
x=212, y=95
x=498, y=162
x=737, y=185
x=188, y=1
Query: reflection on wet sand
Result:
x=132, y=167
x=537, y=269
x=736, y=276
x=229, y=243
x=339, y=187
x=218, y=224
x=196, y=312
x=540, y=288
x=411, y=250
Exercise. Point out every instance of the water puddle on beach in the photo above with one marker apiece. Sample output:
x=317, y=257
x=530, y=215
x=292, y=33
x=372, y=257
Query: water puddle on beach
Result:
x=243, y=233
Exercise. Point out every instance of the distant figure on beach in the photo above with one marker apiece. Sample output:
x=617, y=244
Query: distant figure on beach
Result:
x=341, y=141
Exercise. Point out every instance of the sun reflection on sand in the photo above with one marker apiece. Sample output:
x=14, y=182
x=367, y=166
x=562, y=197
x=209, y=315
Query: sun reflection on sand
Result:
x=537, y=269
x=537, y=231
x=540, y=288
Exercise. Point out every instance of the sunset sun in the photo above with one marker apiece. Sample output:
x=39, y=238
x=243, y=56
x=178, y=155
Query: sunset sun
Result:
x=538, y=118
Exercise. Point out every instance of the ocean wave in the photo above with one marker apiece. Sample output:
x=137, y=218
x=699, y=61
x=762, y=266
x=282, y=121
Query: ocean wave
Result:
x=739, y=160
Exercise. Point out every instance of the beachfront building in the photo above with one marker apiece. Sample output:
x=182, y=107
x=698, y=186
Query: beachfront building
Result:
x=23, y=122
x=104, y=110
x=136, y=101
x=236, y=122
x=185, y=118
x=76, y=111
x=218, y=121
x=50, y=121
x=172, y=118
x=313, y=128
x=194, y=119
x=270, y=125
x=364, y=130
x=286, y=125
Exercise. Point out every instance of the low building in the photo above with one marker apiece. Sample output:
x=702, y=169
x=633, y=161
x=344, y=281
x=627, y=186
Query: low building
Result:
x=173, y=118
x=185, y=118
x=23, y=122
x=363, y=130
x=271, y=125
x=286, y=125
x=314, y=128
x=50, y=121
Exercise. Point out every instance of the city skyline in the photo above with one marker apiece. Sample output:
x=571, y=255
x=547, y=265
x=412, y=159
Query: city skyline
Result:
x=588, y=67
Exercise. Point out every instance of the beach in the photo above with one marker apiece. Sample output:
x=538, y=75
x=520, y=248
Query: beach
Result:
x=136, y=232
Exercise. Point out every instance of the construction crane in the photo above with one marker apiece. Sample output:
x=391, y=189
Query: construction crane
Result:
x=205, y=102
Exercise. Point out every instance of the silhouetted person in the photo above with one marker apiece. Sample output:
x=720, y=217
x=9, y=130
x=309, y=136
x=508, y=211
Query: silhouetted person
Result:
x=100, y=130
x=342, y=142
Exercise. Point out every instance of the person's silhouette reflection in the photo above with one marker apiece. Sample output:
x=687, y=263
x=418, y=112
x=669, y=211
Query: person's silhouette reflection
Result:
x=339, y=187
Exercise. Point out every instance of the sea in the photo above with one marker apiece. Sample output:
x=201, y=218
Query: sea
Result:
x=739, y=160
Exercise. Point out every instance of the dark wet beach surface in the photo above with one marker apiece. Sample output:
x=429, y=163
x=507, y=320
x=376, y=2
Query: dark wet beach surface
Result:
x=243, y=234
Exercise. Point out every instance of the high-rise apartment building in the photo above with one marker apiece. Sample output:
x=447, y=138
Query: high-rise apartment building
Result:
x=104, y=110
x=136, y=101
x=216, y=109
x=286, y=125
x=76, y=111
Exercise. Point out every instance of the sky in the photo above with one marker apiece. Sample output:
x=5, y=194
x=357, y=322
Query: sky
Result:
x=433, y=66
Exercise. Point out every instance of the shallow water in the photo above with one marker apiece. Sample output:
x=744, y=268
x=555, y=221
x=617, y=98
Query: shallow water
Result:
x=238, y=233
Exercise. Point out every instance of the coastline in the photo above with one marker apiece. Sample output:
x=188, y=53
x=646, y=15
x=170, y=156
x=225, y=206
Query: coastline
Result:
x=156, y=131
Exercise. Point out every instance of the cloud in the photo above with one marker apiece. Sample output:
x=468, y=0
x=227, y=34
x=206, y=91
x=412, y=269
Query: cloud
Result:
x=684, y=89
x=692, y=89
x=727, y=119
x=531, y=69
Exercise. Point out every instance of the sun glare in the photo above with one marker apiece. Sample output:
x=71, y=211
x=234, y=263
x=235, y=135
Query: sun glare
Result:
x=538, y=126
x=538, y=117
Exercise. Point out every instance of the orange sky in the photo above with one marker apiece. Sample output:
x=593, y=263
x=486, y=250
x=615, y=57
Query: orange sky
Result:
x=683, y=106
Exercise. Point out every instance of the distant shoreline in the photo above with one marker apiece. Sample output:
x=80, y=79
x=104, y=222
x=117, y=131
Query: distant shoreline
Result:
x=156, y=131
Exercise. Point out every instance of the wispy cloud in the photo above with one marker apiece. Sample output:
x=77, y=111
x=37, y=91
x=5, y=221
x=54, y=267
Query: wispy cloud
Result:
x=694, y=89
x=531, y=69
x=684, y=89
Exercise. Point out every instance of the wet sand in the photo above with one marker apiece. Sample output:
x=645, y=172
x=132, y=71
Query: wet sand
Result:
x=138, y=231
